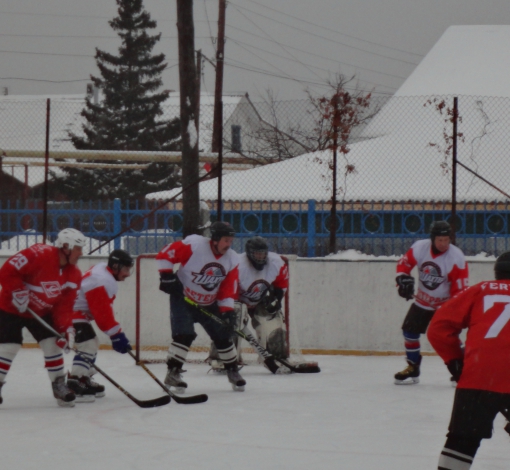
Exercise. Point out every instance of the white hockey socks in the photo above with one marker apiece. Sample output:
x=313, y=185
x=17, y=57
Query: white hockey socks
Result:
x=53, y=358
x=87, y=354
x=453, y=460
x=8, y=352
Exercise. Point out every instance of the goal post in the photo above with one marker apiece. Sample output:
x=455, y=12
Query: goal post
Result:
x=152, y=321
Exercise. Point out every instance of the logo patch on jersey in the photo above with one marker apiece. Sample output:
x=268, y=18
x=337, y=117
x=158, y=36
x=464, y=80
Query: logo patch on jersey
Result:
x=256, y=290
x=430, y=275
x=51, y=289
x=210, y=277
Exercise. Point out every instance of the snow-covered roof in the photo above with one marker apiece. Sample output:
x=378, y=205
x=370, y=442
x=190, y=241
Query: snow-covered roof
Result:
x=466, y=60
x=397, y=161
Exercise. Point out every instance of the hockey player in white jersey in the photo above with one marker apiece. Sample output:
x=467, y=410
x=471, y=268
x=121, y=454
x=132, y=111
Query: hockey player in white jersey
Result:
x=263, y=281
x=208, y=275
x=95, y=303
x=442, y=273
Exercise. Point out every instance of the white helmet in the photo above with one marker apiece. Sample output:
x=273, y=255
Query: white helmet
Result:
x=72, y=237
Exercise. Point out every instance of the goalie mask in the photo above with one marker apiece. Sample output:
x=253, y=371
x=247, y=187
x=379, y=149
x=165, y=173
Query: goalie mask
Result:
x=256, y=250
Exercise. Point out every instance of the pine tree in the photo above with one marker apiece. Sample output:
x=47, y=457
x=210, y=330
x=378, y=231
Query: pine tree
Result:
x=128, y=117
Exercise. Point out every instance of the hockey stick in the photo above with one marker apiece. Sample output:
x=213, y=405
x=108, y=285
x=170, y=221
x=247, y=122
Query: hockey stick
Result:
x=178, y=399
x=141, y=403
x=245, y=334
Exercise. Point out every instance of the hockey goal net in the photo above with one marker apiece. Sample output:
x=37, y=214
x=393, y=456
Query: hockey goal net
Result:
x=153, y=332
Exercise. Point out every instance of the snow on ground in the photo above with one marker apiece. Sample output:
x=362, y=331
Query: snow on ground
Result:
x=350, y=416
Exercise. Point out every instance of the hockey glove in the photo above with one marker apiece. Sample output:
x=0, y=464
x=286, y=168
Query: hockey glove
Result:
x=273, y=299
x=67, y=342
x=455, y=367
x=20, y=299
x=120, y=343
x=405, y=285
x=170, y=284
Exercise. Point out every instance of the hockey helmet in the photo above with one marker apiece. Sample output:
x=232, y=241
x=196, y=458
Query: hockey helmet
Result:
x=256, y=251
x=71, y=237
x=502, y=266
x=221, y=229
x=119, y=258
x=440, y=228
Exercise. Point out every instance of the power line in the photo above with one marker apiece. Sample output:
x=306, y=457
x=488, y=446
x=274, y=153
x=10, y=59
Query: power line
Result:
x=302, y=81
x=327, y=39
x=319, y=68
x=42, y=80
x=335, y=31
x=276, y=42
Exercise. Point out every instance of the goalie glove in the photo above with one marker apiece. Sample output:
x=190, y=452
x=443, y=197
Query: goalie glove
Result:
x=272, y=300
x=405, y=285
x=67, y=342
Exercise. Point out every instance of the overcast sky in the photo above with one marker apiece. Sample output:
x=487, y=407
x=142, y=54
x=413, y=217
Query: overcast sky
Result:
x=286, y=46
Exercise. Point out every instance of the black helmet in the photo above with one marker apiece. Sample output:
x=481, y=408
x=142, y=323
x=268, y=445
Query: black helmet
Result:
x=119, y=258
x=502, y=266
x=256, y=250
x=221, y=229
x=440, y=228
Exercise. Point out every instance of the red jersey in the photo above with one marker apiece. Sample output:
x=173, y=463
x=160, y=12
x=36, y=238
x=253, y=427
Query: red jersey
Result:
x=254, y=283
x=52, y=289
x=440, y=276
x=95, y=299
x=485, y=310
x=206, y=277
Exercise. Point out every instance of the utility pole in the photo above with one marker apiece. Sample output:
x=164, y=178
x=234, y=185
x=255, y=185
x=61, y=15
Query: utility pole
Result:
x=218, y=87
x=189, y=126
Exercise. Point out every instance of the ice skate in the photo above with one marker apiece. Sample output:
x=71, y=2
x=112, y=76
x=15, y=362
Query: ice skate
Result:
x=98, y=389
x=64, y=395
x=234, y=377
x=1, y=399
x=80, y=387
x=409, y=376
x=174, y=379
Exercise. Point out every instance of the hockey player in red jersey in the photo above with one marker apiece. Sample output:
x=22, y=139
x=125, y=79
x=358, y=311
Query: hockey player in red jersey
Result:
x=95, y=303
x=263, y=281
x=45, y=280
x=208, y=275
x=442, y=272
x=483, y=388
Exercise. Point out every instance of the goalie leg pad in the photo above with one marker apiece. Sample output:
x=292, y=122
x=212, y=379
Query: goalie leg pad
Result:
x=265, y=324
x=276, y=343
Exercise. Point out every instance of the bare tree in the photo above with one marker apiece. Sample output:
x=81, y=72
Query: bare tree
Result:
x=286, y=129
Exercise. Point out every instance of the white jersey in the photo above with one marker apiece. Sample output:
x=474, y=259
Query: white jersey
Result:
x=95, y=299
x=206, y=277
x=440, y=276
x=253, y=283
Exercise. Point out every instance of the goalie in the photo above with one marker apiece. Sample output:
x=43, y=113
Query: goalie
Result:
x=263, y=281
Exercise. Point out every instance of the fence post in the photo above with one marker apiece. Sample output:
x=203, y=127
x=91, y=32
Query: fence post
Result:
x=311, y=228
x=116, y=222
x=455, y=119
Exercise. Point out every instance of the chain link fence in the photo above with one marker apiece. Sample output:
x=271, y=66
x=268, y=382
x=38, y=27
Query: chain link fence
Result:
x=402, y=163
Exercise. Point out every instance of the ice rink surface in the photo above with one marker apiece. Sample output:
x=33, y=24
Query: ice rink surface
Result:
x=350, y=416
